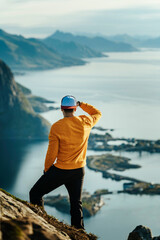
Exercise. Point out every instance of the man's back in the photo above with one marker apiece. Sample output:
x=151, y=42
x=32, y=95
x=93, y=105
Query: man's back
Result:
x=68, y=139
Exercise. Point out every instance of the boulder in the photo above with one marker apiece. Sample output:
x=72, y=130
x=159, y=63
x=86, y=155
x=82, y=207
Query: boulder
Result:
x=140, y=233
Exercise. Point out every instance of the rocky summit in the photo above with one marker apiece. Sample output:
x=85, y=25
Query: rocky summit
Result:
x=23, y=221
x=17, y=117
x=141, y=233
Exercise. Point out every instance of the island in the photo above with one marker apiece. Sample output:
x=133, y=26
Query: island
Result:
x=38, y=103
x=109, y=161
x=105, y=162
x=91, y=203
x=102, y=142
x=141, y=188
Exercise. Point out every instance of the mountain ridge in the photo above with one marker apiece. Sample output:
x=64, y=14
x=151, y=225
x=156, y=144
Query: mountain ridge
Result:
x=17, y=117
x=22, y=53
x=71, y=48
x=143, y=42
x=96, y=43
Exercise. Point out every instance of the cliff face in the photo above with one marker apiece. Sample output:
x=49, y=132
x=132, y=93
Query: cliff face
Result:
x=17, y=118
x=23, y=221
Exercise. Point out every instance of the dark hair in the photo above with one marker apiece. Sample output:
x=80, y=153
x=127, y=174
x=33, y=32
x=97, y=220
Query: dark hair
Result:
x=68, y=110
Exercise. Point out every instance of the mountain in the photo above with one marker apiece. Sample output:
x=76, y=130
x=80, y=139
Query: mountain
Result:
x=23, y=221
x=126, y=39
x=38, y=103
x=152, y=43
x=17, y=118
x=96, y=43
x=137, y=41
x=71, y=48
x=28, y=54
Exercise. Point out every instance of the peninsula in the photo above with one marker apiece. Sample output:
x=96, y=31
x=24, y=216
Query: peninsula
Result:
x=38, y=103
x=91, y=203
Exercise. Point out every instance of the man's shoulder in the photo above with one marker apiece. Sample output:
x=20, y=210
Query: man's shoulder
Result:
x=86, y=119
x=57, y=124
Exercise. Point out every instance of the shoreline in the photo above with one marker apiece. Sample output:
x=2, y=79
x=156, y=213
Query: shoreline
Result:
x=100, y=142
x=135, y=186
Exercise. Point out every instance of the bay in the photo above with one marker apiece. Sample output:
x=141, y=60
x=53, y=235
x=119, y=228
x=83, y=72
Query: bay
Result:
x=126, y=88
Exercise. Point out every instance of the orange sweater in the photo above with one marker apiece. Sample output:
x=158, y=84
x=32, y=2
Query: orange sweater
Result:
x=68, y=139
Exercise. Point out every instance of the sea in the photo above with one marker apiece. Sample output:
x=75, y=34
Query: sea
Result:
x=126, y=88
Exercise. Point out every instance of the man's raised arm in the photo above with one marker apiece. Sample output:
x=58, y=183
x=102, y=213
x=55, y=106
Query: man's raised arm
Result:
x=94, y=113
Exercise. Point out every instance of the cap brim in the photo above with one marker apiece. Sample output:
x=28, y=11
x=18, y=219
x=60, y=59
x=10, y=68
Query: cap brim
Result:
x=68, y=107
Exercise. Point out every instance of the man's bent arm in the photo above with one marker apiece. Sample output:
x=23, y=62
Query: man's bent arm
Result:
x=52, y=150
x=92, y=111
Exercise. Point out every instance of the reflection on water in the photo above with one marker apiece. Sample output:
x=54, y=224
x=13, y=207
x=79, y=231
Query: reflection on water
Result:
x=12, y=155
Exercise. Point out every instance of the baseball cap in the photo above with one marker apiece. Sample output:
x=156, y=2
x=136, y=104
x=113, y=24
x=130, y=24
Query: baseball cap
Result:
x=68, y=102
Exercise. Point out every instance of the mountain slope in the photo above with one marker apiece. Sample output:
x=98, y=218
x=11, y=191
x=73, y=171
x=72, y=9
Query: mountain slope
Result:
x=96, y=43
x=27, y=54
x=152, y=43
x=23, y=221
x=71, y=48
x=144, y=42
x=17, y=118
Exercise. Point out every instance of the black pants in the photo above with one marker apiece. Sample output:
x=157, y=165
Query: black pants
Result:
x=54, y=178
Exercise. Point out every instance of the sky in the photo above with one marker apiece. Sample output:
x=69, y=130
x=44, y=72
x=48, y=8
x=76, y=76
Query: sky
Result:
x=40, y=18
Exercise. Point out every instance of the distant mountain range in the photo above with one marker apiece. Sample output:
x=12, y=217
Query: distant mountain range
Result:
x=22, y=53
x=140, y=42
x=100, y=44
x=71, y=48
x=58, y=50
x=64, y=49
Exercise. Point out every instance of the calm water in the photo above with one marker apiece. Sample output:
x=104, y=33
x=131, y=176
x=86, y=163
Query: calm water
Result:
x=126, y=88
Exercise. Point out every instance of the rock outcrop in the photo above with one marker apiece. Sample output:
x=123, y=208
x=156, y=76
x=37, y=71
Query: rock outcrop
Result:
x=17, y=117
x=141, y=233
x=20, y=221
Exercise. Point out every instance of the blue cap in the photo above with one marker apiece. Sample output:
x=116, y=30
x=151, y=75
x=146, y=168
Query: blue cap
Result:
x=68, y=102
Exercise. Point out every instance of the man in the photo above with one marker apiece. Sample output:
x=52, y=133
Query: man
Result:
x=66, y=156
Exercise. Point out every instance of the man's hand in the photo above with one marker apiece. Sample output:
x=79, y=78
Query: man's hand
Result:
x=78, y=103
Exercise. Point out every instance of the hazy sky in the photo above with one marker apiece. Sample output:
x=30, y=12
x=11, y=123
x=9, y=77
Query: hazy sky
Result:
x=43, y=17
